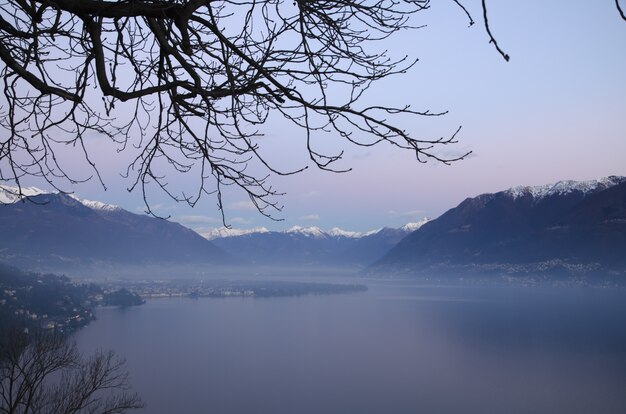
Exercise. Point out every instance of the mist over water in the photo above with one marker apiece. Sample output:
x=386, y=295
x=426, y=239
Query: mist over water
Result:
x=397, y=348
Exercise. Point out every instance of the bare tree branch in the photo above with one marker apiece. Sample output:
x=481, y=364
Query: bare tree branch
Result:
x=620, y=10
x=44, y=373
x=185, y=86
x=467, y=13
x=491, y=38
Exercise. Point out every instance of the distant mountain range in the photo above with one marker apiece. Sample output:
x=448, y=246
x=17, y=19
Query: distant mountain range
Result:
x=311, y=246
x=53, y=231
x=61, y=232
x=223, y=232
x=567, y=228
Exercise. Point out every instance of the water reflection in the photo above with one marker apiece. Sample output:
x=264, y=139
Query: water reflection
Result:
x=393, y=349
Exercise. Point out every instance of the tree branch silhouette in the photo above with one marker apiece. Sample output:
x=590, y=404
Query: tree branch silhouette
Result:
x=186, y=85
x=620, y=10
x=43, y=372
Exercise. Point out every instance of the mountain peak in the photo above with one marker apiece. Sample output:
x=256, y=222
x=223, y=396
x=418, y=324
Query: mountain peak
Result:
x=411, y=227
x=565, y=228
x=313, y=231
x=312, y=246
x=337, y=232
x=223, y=232
x=564, y=187
x=10, y=195
x=307, y=231
x=58, y=231
x=96, y=205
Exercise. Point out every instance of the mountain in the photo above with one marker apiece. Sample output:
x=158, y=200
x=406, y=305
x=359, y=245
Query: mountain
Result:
x=311, y=246
x=567, y=228
x=54, y=231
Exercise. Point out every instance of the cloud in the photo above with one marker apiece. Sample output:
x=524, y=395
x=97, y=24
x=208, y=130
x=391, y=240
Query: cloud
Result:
x=246, y=205
x=238, y=220
x=194, y=220
x=310, y=217
x=410, y=213
x=156, y=208
x=363, y=156
x=309, y=195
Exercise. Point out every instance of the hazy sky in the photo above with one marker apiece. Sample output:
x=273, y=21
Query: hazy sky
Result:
x=556, y=111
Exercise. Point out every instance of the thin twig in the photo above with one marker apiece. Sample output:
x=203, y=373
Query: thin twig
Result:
x=619, y=8
x=492, y=39
x=469, y=16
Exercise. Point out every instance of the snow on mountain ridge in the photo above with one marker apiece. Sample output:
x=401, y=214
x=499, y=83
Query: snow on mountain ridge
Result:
x=411, y=227
x=10, y=195
x=337, y=232
x=307, y=231
x=315, y=232
x=223, y=232
x=96, y=205
x=564, y=187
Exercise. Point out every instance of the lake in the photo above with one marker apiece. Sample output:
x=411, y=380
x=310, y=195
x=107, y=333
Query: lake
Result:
x=397, y=348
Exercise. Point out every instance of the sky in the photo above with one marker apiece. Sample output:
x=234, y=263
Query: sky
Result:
x=555, y=111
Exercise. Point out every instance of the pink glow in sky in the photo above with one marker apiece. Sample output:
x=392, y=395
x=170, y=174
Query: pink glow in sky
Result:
x=556, y=111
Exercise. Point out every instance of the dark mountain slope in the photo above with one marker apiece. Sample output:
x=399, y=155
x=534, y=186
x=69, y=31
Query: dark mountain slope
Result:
x=311, y=248
x=579, y=225
x=57, y=228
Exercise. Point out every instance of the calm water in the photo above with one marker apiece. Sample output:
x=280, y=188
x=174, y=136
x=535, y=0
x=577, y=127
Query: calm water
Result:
x=394, y=349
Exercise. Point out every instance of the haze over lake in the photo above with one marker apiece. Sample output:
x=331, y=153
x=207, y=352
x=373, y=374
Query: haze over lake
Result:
x=397, y=348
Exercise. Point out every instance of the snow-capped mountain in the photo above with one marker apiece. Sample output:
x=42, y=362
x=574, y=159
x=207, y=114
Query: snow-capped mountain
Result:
x=411, y=227
x=222, y=232
x=56, y=228
x=10, y=195
x=306, y=231
x=313, y=231
x=60, y=232
x=96, y=205
x=566, y=227
x=565, y=187
x=337, y=232
x=312, y=246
